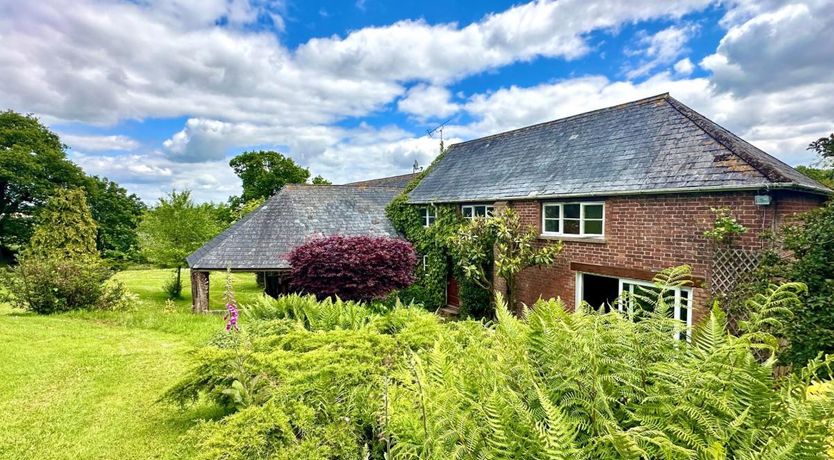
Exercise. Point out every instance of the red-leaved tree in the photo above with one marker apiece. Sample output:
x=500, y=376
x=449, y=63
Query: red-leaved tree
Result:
x=352, y=267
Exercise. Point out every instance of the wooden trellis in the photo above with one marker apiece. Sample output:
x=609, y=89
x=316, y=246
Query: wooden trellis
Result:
x=729, y=265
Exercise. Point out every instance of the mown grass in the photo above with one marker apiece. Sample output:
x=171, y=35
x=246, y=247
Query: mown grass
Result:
x=85, y=385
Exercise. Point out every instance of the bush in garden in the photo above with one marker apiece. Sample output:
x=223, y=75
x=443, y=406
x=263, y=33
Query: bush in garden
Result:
x=552, y=384
x=811, y=244
x=352, y=267
x=61, y=269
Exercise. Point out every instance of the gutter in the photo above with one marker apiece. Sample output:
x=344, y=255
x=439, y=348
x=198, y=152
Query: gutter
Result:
x=730, y=188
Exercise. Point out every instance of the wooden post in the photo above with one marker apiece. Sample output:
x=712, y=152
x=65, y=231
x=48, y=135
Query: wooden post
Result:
x=199, y=291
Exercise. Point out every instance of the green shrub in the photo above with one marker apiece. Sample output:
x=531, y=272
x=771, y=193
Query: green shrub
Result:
x=61, y=269
x=49, y=285
x=811, y=244
x=333, y=380
x=173, y=287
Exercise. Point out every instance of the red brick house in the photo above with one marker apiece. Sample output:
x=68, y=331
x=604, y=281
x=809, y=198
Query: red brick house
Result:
x=628, y=189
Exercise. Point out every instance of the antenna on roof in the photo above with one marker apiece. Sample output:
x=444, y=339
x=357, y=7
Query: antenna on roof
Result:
x=416, y=168
x=438, y=129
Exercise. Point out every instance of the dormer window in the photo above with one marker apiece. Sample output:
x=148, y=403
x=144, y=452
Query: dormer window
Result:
x=474, y=211
x=573, y=219
x=428, y=215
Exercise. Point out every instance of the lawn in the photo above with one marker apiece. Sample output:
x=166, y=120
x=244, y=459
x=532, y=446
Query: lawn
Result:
x=85, y=385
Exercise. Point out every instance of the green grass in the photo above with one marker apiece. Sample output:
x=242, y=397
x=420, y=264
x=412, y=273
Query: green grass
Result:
x=85, y=385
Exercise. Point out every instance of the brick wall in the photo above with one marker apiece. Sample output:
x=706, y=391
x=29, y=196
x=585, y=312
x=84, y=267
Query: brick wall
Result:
x=653, y=232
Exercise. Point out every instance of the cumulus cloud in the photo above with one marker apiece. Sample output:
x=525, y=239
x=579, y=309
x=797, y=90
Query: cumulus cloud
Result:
x=684, y=67
x=95, y=61
x=99, y=143
x=151, y=175
x=786, y=47
x=425, y=101
x=660, y=49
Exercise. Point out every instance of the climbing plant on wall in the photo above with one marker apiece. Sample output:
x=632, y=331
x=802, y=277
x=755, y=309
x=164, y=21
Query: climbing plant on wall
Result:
x=432, y=242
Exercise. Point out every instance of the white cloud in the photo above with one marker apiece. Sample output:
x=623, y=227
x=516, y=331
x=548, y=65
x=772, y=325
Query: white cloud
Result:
x=425, y=101
x=660, y=49
x=97, y=61
x=684, y=67
x=99, y=143
x=788, y=46
x=415, y=50
x=151, y=175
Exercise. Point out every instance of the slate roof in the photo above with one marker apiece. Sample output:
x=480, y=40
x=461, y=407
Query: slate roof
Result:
x=652, y=145
x=263, y=239
x=394, y=181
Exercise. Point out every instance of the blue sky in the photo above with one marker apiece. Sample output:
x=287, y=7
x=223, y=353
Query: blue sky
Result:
x=160, y=94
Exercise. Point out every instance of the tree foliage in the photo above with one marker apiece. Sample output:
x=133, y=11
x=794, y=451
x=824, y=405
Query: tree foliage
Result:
x=307, y=379
x=117, y=214
x=61, y=269
x=175, y=228
x=319, y=180
x=501, y=240
x=824, y=146
x=32, y=165
x=65, y=227
x=811, y=244
x=264, y=172
x=352, y=267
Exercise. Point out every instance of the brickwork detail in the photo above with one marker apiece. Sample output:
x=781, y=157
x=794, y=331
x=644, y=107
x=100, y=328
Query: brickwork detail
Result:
x=653, y=232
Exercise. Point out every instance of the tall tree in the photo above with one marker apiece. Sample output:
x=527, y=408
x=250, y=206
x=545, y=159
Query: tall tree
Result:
x=824, y=146
x=175, y=228
x=824, y=174
x=33, y=164
x=66, y=228
x=117, y=214
x=319, y=180
x=264, y=172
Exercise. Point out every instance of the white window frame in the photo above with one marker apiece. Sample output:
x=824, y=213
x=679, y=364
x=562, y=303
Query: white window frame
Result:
x=425, y=263
x=488, y=210
x=676, y=310
x=428, y=215
x=582, y=205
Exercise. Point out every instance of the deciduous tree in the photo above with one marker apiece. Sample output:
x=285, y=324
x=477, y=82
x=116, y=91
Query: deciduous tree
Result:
x=33, y=164
x=265, y=172
x=175, y=228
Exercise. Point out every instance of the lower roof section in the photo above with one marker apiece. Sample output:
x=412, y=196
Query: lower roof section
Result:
x=262, y=240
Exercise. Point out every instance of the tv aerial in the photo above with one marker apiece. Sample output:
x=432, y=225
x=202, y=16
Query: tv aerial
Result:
x=438, y=130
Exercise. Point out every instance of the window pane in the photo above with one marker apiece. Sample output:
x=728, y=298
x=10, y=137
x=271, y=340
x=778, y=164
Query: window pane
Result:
x=551, y=212
x=593, y=227
x=432, y=219
x=593, y=211
x=551, y=225
x=489, y=210
x=467, y=211
x=480, y=211
x=571, y=211
x=572, y=226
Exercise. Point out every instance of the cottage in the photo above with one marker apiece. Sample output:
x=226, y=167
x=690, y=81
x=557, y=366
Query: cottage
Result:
x=261, y=241
x=629, y=190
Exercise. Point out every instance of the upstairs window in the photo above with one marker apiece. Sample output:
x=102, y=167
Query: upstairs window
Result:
x=428, y=215
x=473, y=211
x=577, y=219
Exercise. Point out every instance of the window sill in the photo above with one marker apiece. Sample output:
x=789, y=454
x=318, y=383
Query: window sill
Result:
x=577, y=239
